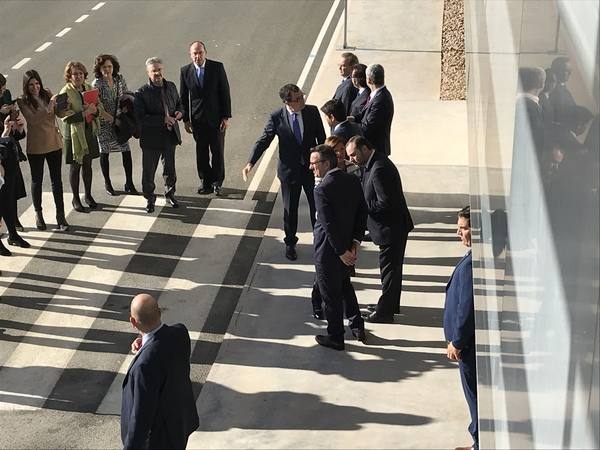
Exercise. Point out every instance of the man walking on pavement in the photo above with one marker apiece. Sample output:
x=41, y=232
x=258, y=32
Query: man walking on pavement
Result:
x=206, y=105
x=341, y=220
x=299, y=128
x=389, y=222
x=459, y=323
x=158, y=409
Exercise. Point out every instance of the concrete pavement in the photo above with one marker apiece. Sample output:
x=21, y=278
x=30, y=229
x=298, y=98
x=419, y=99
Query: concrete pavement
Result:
x=272, y=386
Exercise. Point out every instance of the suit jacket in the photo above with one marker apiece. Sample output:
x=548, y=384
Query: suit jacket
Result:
x=341, y=215
x=294, y=158
x=346, y=130
x=150, y=115
x=346, y=93
x=158, y=408
x=563, y=104
x=389, y=219
x=359, y=102
x=459, y=314
x=376, y=120
x=210, y=103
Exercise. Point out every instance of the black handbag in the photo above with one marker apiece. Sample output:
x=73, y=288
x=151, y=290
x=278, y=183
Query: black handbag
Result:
x=124, y=124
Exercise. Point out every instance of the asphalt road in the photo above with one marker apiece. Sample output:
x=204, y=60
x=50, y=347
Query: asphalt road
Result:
x=63, y=308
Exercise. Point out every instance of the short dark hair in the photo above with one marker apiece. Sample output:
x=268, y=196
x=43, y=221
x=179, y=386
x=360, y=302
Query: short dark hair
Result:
x=559, y=64
x=336, y=108
x=465, y=213
x=360, y=142
x=285, y=93
x=99, y=62
x=531, y=78
x=351, y=58
x=2, y=80
x=326, y=153
x=359, y=73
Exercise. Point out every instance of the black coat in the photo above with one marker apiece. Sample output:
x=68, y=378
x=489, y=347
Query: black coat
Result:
x=346, y=93
x=389, y=218
x=294, y=158
x=209, y=104
x=376, y=120
x=346, y=130
x=158, y=409
x=341, y=215
x=359, y=102
x=150, y=115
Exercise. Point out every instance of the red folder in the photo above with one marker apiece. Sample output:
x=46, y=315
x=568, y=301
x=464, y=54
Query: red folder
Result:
x=90, y=97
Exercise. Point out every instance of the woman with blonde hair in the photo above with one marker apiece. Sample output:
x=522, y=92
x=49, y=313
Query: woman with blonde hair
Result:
x=81, y=125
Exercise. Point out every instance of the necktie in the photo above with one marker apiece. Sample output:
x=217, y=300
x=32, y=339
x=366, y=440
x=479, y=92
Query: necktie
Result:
x=296, y=128
x=200, y=75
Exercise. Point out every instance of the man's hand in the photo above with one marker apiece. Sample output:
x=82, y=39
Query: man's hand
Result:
x=246, y=171
x=136, y=345
x=224, y=124
x=188, y=127
x=7, y=127
x=453, y=353
x=348, y=258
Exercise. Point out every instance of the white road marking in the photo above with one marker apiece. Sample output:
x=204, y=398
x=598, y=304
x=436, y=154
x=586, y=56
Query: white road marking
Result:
x=98, y=6
x=82, y=18
x=21, y=63
x=63, y=32
x=43, y=47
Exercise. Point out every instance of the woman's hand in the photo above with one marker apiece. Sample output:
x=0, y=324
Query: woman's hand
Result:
x=5, y=109
x=8, y=124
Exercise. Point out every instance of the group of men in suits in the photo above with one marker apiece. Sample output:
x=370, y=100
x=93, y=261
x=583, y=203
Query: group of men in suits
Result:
x=205, y=108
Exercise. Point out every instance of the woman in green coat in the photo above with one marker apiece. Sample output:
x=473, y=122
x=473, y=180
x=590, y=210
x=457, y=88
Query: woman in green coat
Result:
x=80, y=141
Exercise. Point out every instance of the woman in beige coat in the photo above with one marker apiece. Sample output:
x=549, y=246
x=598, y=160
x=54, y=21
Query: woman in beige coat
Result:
x=44, y=144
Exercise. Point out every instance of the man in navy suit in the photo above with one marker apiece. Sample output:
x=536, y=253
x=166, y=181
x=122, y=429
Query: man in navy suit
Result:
x=459, y=323
x=206, y=112
x=389, y=222
x=335, y=115
x=346, y=91
x=376, y=117
x=158, y=409
x=359, y=80
x=299, y=128
x=340, y=226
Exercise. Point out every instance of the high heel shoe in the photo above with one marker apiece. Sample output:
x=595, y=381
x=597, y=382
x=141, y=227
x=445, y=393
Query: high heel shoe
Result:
x=109, y=188
x=61, y=222
x=91, y=202
x=4, y=251
x=77, y=206
x=129, y=188
x=40, y=224
x=18, y=241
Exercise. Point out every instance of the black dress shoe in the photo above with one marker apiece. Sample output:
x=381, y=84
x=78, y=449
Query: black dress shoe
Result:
x=18, y=241
x=290, y=252
x=376, y=318
x=171, y=200
x=150, y=206
x=77, y=206
x=91, y=202
x=109, y=189
x=129, y=188
x=4, y=251
x=373, y=306
x=205, y=190
x=326, y=341
x=318, y=314
x=40, y=224
x=360, y=335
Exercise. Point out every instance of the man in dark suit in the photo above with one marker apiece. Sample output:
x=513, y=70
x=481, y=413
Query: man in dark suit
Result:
x=158, y=409
x=206, y=112
x=336, y=118
x=561, y=99
x=529, y=116
x=389, y=222
x=157, y=110
x=359, y=80
x=299, y=128
x=459, y=323
x=340, y=226
x=376, y=117
x=346, y=91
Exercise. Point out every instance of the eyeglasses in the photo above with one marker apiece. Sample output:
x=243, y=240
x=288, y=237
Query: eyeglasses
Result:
x=314, y=163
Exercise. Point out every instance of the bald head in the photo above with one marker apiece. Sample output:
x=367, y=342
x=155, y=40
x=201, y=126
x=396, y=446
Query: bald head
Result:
x=145, y=314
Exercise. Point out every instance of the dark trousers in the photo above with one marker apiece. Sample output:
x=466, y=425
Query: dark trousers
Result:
x=391, y=260
x=210, y=162
x=36, y=164
x=127, y=165
x=150, y=157
x=8, y=198
x=85, y=168
x=290, y=193
x=468, y=378
x=333, y=281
